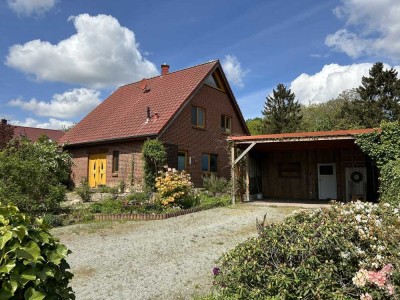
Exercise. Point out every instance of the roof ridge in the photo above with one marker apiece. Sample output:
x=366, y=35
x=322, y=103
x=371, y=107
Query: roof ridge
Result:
x=184, y=69
x=35, y=127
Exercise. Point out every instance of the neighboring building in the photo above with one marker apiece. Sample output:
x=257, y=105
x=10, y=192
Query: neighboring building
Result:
x=33, y=134
x=192, y=111
x=308, y=166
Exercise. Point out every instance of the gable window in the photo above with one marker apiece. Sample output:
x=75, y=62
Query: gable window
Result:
x=198, y=116
x=115, y=162
x=182, y=160
x=226, y=123
x=209, y=162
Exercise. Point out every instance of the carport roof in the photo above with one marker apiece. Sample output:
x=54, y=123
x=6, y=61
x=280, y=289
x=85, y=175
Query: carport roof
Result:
x=302, y=136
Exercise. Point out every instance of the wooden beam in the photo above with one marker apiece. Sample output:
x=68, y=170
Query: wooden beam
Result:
x=248, y=177
x=233, y=177
x=244, y=153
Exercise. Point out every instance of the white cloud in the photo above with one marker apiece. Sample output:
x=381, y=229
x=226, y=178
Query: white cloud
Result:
x=31, y=7
x=328, y=83
x=233, y=70
x=70, y=104
x=102, y=54
x=372, y=28
x=50, y=124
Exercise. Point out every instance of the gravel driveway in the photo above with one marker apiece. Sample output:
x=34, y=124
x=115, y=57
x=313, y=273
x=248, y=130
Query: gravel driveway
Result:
x=166, y=259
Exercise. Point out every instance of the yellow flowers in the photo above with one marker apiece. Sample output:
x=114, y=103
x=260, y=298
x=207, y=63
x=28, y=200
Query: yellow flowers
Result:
x=173, y=186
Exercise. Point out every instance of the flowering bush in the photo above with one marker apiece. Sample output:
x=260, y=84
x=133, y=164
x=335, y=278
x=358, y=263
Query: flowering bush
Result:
x=175, y=188
x=343, y=252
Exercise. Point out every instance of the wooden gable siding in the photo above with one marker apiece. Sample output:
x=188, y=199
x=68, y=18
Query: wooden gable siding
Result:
x=304, y=185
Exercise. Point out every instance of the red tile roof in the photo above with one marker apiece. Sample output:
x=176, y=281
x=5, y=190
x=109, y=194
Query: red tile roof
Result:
x=123, y=114
x=34, y=133
x=303, y=135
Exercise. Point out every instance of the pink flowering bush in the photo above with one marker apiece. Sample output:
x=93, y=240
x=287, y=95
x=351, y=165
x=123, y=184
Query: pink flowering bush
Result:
x=174, y=188
x=349, y=251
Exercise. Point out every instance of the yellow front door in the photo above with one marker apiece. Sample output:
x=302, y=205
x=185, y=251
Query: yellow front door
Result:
x=97, y=169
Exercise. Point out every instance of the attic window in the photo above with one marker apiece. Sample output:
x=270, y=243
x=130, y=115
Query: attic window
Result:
x=214, y=81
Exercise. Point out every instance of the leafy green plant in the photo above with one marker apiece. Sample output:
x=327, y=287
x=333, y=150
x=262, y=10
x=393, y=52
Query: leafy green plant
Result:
x=216, y=185
x=53, y=220
x=83, y=190
x=108, y=206
x=33, y=175
x=32, y=262
x=207, y=201
x=384, y=148
x=138, y=197
x=154, y=156
x=341, y=252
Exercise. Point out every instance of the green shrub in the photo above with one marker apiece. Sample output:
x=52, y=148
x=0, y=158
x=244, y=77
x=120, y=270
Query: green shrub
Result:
x=53, y=220
x=138, y=197
x=32, y=262
x=215, y=184
x=108, y=190
x=154, y=156
x=108, y=206
x=342, y=252
x=83, y=190
x=32, y=175
x=207, y=201
x=384, y=148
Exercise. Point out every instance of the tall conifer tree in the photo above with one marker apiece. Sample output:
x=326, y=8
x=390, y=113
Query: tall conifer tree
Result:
x=281, y=111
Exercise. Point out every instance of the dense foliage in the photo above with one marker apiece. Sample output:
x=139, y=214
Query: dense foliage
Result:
x=379, y=98
x=384, y=148
x=6, y=134
x=32, y=262
x=343, y=252
x=281, y=111
x=33, y=175
x=255, y=126
x=216, y=185
x=154, y=156
x=329, y=115
x=174, y=188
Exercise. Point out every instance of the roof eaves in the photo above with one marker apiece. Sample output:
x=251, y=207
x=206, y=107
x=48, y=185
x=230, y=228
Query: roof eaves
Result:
x=105, y=141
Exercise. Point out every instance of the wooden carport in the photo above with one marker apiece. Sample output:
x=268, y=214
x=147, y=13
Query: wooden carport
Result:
x=324, y=165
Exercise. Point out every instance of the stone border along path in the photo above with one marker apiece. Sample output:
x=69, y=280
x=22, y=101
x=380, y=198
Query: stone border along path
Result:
x=161, y=259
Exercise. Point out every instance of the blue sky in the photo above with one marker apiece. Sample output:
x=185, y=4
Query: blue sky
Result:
x=61, y=58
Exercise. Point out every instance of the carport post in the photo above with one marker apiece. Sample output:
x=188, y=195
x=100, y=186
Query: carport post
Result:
x=233, y=150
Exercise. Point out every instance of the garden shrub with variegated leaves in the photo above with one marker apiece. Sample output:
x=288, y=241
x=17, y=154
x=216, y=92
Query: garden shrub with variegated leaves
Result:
x=347, y=251
x=32, y=262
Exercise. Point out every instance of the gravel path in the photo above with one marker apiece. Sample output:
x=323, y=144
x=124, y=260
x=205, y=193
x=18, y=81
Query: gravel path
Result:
x=166, y=259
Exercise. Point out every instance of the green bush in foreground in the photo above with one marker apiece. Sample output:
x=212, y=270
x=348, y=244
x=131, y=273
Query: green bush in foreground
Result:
x=32, y=262
x=343, y=252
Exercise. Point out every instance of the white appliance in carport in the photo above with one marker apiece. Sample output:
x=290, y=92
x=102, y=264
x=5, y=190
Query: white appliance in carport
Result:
x=356, y=183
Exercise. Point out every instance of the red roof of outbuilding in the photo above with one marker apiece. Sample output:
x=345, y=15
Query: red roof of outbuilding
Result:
x=34, y=133
x=123, y=114
x=303, y=135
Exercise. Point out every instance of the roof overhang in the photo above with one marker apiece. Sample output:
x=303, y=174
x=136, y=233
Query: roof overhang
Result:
x=107, y=141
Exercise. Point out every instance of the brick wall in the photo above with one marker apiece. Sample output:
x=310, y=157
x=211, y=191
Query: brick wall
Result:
x=127, y=151
x=211, y=139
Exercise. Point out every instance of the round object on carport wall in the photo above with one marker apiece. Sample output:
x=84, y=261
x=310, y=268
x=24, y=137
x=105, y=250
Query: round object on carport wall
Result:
x=356, y=176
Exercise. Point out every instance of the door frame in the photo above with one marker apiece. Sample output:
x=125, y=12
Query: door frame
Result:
x=334, y=176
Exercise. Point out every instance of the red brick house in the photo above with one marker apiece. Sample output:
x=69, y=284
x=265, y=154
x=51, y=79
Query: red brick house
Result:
x=192, y=111
x=33, y=134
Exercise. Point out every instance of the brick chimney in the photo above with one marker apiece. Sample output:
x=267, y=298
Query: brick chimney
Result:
x=3, y=122
x=164, y=69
